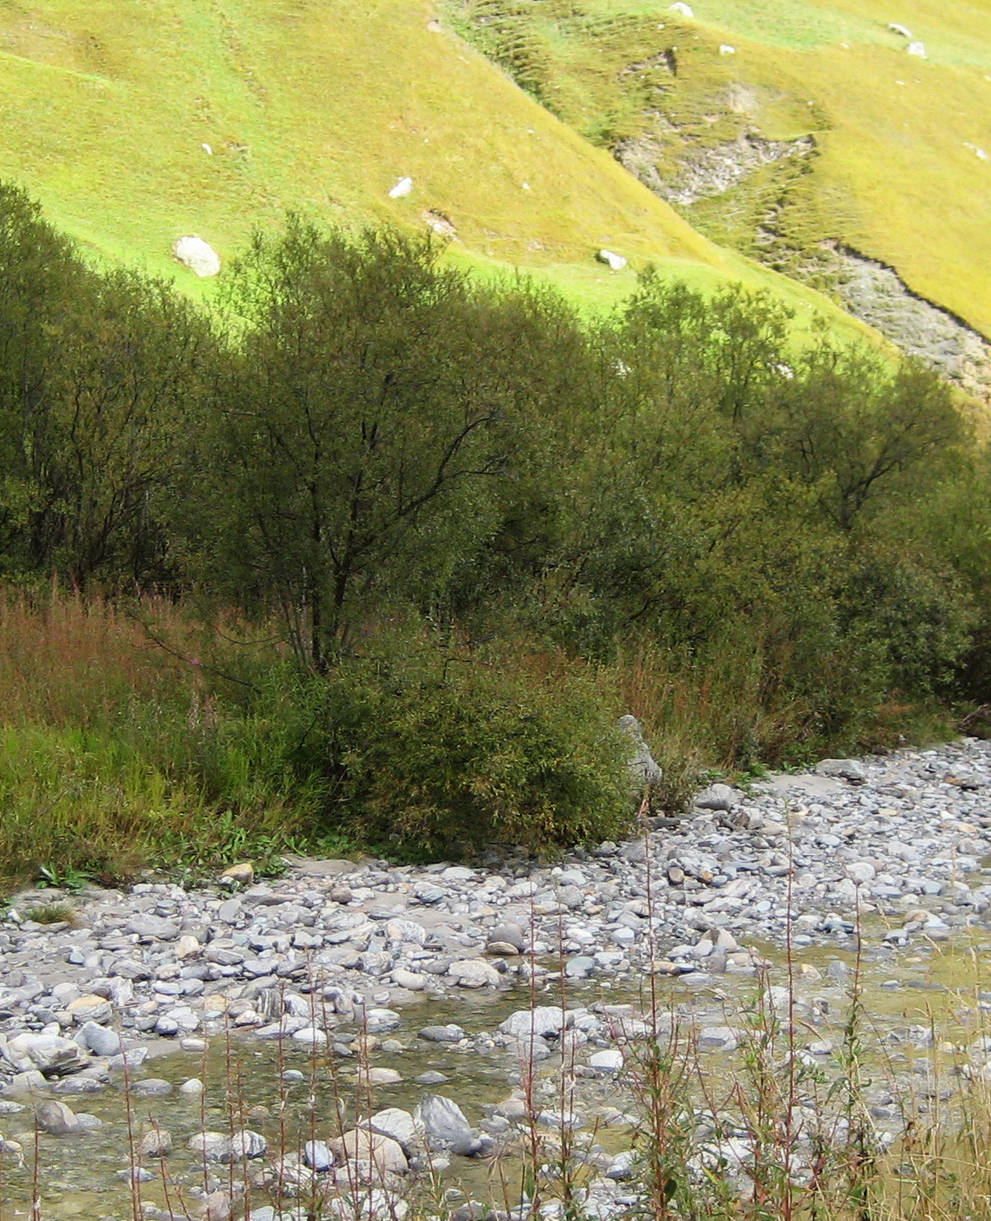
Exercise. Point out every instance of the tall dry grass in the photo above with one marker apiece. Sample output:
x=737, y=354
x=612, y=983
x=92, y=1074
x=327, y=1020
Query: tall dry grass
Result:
x=130, y=737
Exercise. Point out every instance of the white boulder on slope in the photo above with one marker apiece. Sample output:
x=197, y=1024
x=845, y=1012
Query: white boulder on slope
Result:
x=196, y=254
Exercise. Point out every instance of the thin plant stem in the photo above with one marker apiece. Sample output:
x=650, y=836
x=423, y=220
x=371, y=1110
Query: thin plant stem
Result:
x=133, y=1150
x=36, y=1175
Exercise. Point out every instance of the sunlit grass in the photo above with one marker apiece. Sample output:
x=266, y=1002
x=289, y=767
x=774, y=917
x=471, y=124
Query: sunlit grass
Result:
x=896, y=173
x=322, y=108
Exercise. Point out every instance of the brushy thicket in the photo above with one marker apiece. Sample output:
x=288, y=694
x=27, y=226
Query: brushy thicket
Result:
x=450, y=756
x=399, y=547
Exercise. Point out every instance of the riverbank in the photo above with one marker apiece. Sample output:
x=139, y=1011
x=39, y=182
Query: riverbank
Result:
x=361, y=963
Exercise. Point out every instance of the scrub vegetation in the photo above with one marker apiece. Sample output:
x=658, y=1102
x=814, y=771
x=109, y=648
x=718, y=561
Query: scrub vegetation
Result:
x=376, y=552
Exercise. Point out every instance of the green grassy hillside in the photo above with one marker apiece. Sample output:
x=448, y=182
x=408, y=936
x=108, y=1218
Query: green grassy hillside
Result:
x=783, y=128
x=107, y=109
x=136, y=124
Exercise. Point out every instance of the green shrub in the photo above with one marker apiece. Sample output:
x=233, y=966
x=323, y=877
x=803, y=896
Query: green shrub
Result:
x=442, y=759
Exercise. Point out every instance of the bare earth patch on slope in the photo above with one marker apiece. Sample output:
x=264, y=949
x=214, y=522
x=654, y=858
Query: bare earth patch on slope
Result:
x=875, y=293
x=706, y=172
x=869, y=289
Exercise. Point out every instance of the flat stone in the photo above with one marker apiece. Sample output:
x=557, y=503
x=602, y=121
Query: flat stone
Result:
x=473, y=973
x=153, y=928
x=50, y=1054
x=542, y=1021
x=364, y=1145
x=844, y=769
x=608, y=1061
x=412, y=981
x=442, y=1034
x=151, y=1087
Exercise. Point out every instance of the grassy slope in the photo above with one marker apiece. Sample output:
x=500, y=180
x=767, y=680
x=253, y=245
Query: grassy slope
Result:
x=318, y=106
x=894, y=176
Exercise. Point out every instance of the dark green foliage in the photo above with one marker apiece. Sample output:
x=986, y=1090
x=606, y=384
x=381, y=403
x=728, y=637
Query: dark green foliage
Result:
x=354, y=431
x=98, y=375
x=432, y=755
x=765, y=550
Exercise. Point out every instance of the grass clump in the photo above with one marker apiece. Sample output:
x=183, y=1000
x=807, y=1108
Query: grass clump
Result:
x=51, y=913
x=116, y=755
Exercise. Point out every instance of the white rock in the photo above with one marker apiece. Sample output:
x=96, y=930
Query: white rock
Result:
x=247, y=1144
x=413, y=981
x=542, y=1020
x=377, y=1021
x=406, y=930
x=842, y=769
x=100, y=1040
x=317, y=1156
x=395, y=1123
x=861, y=872
x=311, y=1036
x=156, y=1143
x=473, y=973
x=207, y=149
x=717, y=797
x=615, y=262
x=917, y=48
x=402, y=188
x=684, y=10
x=196, y=254
x=726, y=49
x=49, y=1053
x=897, y=28
x=384, y=1076
x=364, y=1145
x=609, y=1061
x=210, y=1145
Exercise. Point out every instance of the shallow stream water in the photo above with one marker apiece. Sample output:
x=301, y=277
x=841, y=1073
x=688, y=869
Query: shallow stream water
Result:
x=923, y=1006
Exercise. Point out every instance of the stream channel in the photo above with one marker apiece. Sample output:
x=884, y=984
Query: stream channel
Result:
x=697, y=912
x=923, y=1014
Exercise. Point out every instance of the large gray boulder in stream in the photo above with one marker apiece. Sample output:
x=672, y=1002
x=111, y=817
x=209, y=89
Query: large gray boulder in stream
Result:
x=445, y=1127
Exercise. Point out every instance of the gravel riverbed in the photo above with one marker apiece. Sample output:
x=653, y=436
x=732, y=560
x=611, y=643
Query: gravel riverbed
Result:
x=336, y=958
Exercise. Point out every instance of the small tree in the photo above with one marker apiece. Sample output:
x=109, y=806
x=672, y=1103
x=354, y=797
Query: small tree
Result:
x=133, y=366
x=862, y=434
x=42, y=283
x=356, y=431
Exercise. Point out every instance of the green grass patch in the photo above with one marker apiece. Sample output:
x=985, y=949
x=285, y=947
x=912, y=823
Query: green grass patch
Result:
x=135, y=128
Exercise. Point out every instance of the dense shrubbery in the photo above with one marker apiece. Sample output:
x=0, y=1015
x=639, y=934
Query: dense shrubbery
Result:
x=764, y=550
x=445, y=755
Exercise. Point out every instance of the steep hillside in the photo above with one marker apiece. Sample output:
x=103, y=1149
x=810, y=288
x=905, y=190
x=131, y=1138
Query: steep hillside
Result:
x=136, y=124
x=844, y=142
